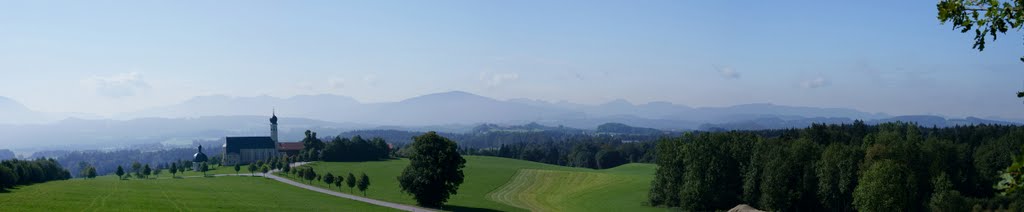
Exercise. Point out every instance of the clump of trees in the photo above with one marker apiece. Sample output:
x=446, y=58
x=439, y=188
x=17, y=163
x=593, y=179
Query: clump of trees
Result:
x=87, y=171
x=434, y=172
x=355, y=149
x=888, y=167
x=25, y=172
x=343, y=149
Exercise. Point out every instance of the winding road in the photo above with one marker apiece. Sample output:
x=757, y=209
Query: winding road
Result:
x=334, y=193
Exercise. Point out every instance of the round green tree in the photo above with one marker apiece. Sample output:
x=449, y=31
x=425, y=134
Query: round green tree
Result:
x=885, y=186
x=435, y=170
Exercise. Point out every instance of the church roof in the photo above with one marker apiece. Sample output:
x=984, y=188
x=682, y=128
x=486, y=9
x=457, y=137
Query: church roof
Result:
x=199, y=156
x=283, y=146
x=235, y=144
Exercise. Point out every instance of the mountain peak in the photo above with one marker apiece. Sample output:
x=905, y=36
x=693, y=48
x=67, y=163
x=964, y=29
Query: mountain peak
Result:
x=10, y=104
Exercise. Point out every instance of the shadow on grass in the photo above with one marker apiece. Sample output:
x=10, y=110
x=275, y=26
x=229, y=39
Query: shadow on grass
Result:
x=465, y=208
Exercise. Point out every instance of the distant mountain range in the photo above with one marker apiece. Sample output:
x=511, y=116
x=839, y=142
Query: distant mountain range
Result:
x=461, y=108
x=12, y=112
x=212, y=117
x=466, y=109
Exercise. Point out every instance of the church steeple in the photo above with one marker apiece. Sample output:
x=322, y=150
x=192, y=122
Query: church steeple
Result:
x=273, y=125
x=273, y=118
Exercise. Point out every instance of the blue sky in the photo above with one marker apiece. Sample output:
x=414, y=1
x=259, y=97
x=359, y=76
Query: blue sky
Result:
x=877, y=56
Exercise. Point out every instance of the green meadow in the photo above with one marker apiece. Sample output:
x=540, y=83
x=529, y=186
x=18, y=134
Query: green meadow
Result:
x=491, y=184
x=502, y=184
x=233, y=193
x=617, y=189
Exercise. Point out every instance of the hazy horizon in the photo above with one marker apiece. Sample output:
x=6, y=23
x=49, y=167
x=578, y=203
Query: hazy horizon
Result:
x=111, y=58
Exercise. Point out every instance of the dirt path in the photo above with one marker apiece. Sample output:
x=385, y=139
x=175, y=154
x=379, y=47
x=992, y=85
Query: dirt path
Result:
x=332, y=193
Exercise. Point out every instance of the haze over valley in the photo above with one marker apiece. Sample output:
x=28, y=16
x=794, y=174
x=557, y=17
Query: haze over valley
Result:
x=212, y=117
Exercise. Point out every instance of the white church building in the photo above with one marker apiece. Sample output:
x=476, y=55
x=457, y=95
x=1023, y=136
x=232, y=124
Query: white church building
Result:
x=249, y=149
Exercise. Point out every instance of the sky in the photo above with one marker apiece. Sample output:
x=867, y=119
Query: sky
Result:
x=109, y=57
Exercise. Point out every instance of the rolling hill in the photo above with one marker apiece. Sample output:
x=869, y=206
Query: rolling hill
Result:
x=621, y=189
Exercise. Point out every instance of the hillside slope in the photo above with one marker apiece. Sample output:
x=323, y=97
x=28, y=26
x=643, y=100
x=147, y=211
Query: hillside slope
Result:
x=485, y=175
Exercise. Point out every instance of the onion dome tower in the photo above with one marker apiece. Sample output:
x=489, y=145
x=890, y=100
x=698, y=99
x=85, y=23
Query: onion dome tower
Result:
x=198, y=158
x=273, y=126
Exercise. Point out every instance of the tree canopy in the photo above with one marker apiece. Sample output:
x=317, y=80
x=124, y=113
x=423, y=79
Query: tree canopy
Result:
x=888, y=167
x=986, y=18
x=435, y=170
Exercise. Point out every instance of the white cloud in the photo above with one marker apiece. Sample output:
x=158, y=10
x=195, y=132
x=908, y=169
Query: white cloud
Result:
x=497, y=79
x=118, y=85
x=815, y=83
x=728, y=73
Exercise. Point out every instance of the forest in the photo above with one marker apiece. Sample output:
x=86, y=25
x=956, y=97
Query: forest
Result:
x=839, y=168
x=343, y=149
x=16, y=172
x=595, y=152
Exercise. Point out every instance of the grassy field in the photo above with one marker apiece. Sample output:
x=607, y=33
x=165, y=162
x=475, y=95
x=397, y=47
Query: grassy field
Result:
x=550, y=190
x=625, y=189
x=106, y=193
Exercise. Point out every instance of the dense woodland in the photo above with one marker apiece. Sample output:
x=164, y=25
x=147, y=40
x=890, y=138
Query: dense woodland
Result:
x=492, y=136
x=617, y=144
x=25, y=172
x=596, y=152
x=888, y=167
x=343, y=149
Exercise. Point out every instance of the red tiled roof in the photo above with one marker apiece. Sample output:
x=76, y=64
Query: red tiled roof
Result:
x=290, y=146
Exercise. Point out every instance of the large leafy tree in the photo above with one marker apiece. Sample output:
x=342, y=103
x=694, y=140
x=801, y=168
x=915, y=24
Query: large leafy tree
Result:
x=886, y=185
x=986, y=18
x=837, y=176
x=665, y=187
x=435, y=170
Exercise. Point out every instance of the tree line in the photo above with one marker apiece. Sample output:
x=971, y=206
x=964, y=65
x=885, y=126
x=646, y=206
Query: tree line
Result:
x=106, y=162
x=888, y=167
x=343, y=149
x=587, y=151
x=25, y=172
x=491, y=138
